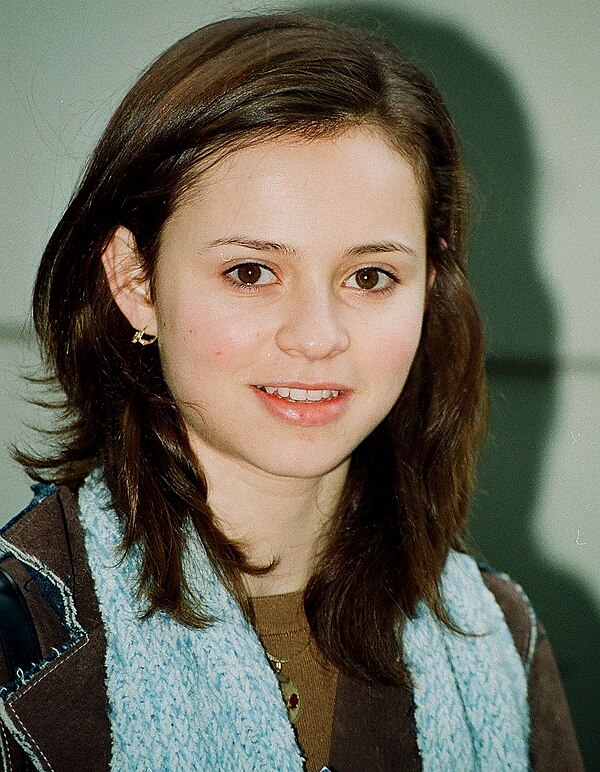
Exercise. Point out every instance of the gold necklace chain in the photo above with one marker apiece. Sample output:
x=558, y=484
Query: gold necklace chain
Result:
x=279, y=663
x=289, y=690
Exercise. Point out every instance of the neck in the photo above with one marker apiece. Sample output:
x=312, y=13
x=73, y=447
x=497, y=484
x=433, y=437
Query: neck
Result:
x=281, y=520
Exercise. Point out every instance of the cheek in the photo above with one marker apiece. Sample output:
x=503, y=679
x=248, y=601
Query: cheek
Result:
x=228, y=344
x=194, y=339
x=396, y=356
x=392, y=345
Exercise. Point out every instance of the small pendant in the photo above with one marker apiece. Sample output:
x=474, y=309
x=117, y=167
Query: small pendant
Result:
x=290, y=695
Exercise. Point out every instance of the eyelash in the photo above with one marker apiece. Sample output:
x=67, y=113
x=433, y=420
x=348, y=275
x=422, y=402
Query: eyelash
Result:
x=388, y=287
x=248, y=287
x=245, y=287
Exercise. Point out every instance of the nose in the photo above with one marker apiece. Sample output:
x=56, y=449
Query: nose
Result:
x=312, y=326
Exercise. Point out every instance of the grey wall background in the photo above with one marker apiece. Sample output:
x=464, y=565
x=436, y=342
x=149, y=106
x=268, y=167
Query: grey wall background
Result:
x=522, y=80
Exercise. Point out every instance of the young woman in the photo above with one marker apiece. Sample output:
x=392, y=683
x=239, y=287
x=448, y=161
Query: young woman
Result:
x=249, y=555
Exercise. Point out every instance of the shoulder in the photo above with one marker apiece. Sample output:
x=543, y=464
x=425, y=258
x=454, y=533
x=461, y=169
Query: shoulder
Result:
x=31, y=613
x=517, y=610
x=553, y=743
x=47, y=529
x=43, y=554
x=51, y=506
x=43, y=549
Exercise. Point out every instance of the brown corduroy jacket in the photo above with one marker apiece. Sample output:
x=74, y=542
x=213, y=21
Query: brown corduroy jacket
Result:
x=60, y=713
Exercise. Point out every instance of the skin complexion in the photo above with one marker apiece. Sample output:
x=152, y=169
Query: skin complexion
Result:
x=289, y=297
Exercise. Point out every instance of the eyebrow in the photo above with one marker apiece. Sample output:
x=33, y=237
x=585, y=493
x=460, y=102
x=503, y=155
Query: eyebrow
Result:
x=381, y=247
x=258, y=244
x=261, y=245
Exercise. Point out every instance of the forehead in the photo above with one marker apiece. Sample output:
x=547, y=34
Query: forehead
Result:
x=296, y=186
x=366, y=138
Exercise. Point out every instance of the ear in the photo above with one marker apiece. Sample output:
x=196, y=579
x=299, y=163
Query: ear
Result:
x=430, y=280
x=128, y=285
x=431, y=271
x=431, y=274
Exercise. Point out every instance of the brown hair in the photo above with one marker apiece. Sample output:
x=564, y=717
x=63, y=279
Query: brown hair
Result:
x=405, y=504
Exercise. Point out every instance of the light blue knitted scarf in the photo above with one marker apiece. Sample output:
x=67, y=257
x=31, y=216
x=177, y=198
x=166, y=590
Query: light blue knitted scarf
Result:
x=189, y=699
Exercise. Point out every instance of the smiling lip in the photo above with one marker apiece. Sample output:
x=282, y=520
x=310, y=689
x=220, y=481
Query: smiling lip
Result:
x=304, y=404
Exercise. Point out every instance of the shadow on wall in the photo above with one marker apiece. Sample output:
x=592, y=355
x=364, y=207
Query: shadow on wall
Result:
x=521, y=322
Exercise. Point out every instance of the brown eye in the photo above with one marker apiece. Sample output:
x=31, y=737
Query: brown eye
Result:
x=369, y=278
x=251, y=274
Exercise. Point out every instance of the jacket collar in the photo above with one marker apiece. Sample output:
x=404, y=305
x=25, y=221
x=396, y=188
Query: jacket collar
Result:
x=59, y=713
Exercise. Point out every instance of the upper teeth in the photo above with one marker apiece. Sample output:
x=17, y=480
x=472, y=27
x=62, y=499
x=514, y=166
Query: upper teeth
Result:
x=301, y=395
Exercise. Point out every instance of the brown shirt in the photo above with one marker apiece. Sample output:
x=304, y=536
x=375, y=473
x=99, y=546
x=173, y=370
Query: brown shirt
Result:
x=374, y=715
x=61, y=715
x=283, y=629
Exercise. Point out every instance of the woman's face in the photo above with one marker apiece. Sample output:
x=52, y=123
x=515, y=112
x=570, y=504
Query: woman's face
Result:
x=288, y=301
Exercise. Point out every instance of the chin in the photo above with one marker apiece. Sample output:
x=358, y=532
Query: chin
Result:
x=302, y=465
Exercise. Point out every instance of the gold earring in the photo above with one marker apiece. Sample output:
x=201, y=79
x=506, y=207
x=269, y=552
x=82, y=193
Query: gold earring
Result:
x=143, y=338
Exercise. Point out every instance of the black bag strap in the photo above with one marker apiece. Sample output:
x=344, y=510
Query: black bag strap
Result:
x=17, y=633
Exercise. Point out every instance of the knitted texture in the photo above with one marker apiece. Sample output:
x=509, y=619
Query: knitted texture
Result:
x=471, y=707
x=182, y=698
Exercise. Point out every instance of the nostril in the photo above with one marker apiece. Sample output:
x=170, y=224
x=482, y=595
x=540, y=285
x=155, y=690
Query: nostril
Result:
x=322, y=338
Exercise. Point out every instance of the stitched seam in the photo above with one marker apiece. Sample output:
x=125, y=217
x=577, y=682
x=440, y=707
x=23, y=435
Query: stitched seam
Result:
x=72, y=624
x=26, y=747
x=12, y=703
x=6, y=760
x=33, y=743
x=47, y=671
x=69, y=610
